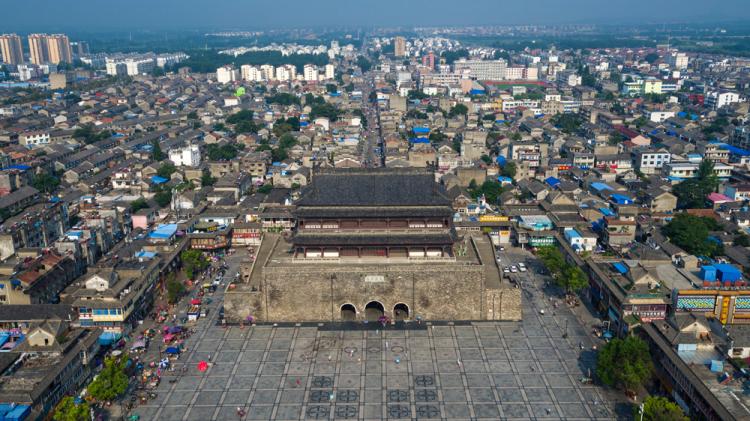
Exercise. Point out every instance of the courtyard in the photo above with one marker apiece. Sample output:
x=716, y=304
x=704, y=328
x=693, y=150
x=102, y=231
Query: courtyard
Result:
x=461, y=371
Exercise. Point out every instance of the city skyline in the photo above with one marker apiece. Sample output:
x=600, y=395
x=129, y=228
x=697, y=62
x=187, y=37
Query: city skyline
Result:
x=139, y=14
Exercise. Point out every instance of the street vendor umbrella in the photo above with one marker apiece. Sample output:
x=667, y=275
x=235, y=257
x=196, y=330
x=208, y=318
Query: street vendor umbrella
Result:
x=202, y=366
x=140, y=343
x=116, y=353
x=173, y=350
x=195, y=302
x=175, y=329
x=168, y=337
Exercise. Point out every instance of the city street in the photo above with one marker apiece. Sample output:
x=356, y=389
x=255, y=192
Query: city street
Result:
x=466, y=370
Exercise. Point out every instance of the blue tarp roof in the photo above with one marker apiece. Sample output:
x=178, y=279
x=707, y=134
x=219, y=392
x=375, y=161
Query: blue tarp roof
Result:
x=145, y=254
x=164, y=231
x=606, y=212
x=106, y=338
x=552, y=181
x=504, y=179
x=735, y=150
x=421, y=130
x=158, y=180
x=621, y=199
x=620, y=267
x=14, y=413
x=726, y=268
x=419, y=140
x=501, y=160
x=600, y=186
x=18, y=167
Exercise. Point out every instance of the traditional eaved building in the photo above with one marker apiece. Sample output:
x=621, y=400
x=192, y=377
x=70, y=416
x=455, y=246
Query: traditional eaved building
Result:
x=355, y=214
x=369, y=243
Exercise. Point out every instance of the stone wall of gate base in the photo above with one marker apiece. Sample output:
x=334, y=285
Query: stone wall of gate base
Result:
x=303, y=293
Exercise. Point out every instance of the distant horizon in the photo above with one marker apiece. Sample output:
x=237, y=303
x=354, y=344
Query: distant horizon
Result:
x=240, y=15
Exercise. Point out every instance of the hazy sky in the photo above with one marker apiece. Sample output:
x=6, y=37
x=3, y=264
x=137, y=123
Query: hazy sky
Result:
x=46, y=15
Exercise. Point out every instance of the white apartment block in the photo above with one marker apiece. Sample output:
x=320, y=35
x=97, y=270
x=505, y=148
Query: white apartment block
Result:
x=251, y=73
x=718, y=100
x=188, y=156
x=226, y=74
x=267, y=72
x=330, y=71
x=481, y=69
x=652, y=162
x=310, y=73
x=32, y=139
x=170, y=59
x=130, y=66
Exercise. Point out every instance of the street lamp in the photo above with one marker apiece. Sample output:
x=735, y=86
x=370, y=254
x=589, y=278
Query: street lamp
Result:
x=641, y=409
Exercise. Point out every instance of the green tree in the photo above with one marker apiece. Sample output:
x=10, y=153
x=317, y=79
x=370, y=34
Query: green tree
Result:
x=568, y=276
x=692, y=193
x=264, y=189
x=283, y=99
x=156, y=153
x=166, y=170
x=224, y=152
x=691, y=233
x=163, y=198
x=568, y=123
x=175, y=288
x=192, y=115
x=624, y=363
x=437, y=137
x=509, y=170
x=69, y=410
x=657, y=408
x=207, y=179
x=490, y=189
x=243, y=115
x=325, y=110
x=486, y=158
x=742, y=240
x=112, y=381
x=89, y=135
x=364, y=64
x=651, y=58
x=45, y=182
x=331, y=88
x=458, y=109
x=138, y=204
x=193, y=261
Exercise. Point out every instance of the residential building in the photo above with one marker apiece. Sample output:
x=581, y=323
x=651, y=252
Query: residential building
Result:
x=226, y=74
x=651, y=162
x=716, y=99
x=52, y=360
x=34, y=139
x=114, y=296
x=481, y=69
x=38, y=52
x=399, y=47
x=187, y=156
x=11, y=51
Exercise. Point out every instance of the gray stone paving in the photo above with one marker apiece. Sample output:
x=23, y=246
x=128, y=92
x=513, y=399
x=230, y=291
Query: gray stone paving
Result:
x=482, y=371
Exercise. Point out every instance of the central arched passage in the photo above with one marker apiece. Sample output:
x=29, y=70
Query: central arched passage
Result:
x=374, y=310
x=400, y=311
x=348, y=313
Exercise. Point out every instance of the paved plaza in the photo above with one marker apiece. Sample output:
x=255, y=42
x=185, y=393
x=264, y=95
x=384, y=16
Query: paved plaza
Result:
x=477, y=371
x=463, y=371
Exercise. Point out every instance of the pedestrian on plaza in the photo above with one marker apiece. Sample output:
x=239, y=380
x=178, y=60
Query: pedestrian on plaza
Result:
x=297, y=382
